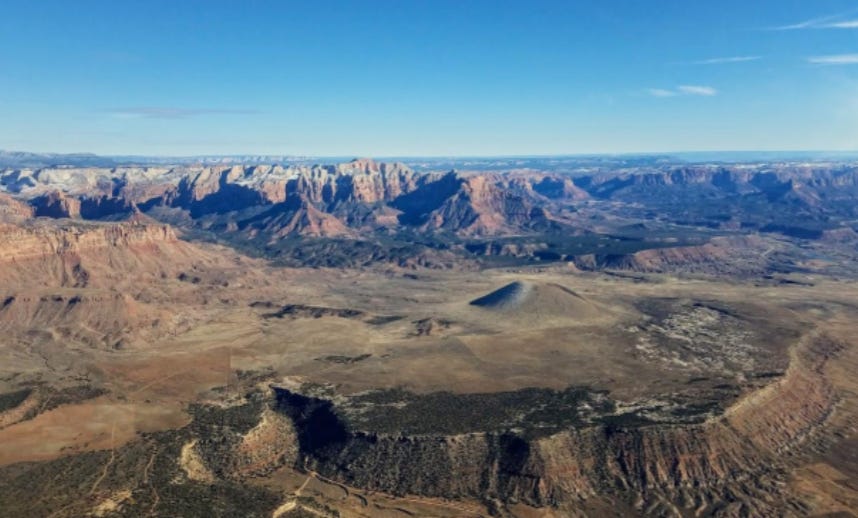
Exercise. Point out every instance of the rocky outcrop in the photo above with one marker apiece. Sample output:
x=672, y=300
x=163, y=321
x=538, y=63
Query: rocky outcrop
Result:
x=13, y=210
x=470, y=206
x=267, y=446
x=550, y=186
x=294, y=217
x=56, y=205
x=722, y=254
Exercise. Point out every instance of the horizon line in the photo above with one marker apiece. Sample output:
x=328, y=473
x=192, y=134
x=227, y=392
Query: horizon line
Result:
x=349, y=156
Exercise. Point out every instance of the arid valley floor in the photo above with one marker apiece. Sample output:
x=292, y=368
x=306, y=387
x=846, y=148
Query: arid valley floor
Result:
x=161, y=355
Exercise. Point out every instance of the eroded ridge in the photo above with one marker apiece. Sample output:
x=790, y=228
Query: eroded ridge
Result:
x=735, y=456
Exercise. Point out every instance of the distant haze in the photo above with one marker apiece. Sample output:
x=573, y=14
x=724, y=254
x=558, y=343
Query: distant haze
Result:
x=559, y=163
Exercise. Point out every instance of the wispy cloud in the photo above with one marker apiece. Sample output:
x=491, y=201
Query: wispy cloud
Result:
x=169, y=112
x=722, y=61
x=707, y=91
x=836, y=59
x=813, y=23
x=661, y=92
x=699, y=90
x=836, y=21
x=845, y=24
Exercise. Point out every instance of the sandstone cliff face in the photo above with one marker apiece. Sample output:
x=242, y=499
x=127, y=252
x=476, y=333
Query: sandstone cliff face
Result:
x=101, y=285
x=721, y=457
x=64, y=256
x=367, y=181
x=480, y=207
x=21, y=243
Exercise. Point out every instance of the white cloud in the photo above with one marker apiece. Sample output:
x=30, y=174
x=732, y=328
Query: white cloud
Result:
x=706, y=91
x=720, y=61
x=697, y=90
x=823, y=22
x=845, y=24
x=837, y=59
x=807, y=24
x=661, y=92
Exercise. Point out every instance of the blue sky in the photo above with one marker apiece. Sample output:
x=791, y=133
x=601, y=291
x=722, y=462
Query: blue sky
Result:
x=427, y=77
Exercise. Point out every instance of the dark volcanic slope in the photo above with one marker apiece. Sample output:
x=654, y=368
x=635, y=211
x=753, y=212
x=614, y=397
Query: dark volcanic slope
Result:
x=507, y=297
x=529, y=299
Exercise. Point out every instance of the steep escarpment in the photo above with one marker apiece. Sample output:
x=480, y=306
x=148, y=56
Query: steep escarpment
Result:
x=635, y=462
x=96, y=284
x=745, y=254
x=721, y=457
x=21, y=243
x=61, y=255
x=102, y=255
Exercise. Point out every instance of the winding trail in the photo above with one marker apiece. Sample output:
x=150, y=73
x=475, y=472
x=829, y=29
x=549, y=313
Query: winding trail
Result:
x=156, y=498
x=470, y=511
x=109, y=462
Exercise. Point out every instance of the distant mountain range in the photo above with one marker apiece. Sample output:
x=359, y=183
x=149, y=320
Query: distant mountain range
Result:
x=580, y=164
x=363, y=211
x=23, y=159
